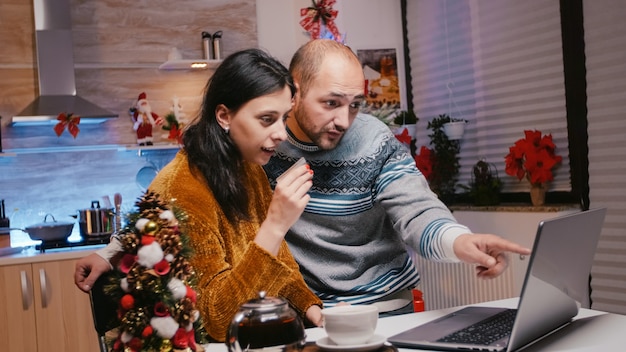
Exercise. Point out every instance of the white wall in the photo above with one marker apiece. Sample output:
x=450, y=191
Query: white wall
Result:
x=372, y=24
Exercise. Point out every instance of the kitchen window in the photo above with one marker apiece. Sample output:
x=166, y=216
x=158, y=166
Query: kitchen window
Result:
x=505, y=67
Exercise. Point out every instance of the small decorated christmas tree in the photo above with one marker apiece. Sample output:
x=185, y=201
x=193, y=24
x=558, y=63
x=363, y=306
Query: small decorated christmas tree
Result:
x=154, y=283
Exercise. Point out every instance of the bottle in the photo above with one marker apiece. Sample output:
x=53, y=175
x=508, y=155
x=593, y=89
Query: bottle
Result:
x=206, y=45
x=217, y=50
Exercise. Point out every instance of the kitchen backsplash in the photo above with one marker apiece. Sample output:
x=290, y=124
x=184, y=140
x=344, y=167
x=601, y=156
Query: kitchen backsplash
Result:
x=63, y=183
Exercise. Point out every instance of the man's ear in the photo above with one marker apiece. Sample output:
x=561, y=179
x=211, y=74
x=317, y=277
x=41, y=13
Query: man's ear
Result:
x=297, y=85
x=222, y=115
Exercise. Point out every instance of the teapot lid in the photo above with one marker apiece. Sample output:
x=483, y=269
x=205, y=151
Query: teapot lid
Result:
x=264, y=304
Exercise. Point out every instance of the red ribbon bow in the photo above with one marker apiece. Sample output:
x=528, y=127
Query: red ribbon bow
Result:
x=175, y=134
x=320, y=13
x=70, y=121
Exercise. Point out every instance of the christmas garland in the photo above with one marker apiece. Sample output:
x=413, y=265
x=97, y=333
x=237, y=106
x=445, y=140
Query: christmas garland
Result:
x=154, y=281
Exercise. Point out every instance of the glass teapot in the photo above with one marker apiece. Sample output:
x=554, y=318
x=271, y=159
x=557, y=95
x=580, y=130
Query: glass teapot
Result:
x=266, y=323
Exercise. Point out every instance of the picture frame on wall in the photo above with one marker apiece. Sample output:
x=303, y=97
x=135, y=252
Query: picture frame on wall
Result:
x=382, y=84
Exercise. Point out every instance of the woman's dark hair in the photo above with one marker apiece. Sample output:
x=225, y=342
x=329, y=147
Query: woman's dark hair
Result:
x=241, y=77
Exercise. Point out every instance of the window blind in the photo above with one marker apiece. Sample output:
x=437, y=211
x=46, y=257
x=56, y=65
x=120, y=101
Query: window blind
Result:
x=605, y=40
x=496, y=64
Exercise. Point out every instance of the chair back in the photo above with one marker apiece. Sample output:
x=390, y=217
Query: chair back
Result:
x=103, y=309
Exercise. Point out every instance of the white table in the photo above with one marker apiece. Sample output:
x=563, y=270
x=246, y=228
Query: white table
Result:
x=591, y=330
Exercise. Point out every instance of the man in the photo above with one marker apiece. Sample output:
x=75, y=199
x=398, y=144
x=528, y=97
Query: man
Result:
x=369, y=202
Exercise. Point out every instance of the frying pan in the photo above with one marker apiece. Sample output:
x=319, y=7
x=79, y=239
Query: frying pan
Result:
x=47, y=230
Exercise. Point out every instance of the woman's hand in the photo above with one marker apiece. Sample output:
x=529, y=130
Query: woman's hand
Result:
x=288, y=202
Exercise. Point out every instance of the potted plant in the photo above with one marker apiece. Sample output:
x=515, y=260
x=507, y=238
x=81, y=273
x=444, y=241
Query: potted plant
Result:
x=445, y=168
x=405, y=128
x=406, y=119
x=485, y=186
x=454, y=128
x=533, y=158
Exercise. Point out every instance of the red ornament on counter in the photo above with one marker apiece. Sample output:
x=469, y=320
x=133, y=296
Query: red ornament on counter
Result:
x=418, y=300
x=144, y=120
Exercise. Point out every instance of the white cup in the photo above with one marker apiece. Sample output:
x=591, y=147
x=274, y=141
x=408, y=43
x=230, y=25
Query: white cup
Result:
x=350, y=324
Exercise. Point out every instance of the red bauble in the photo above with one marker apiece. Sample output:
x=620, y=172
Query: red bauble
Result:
x=147, y=332
x=127, y=302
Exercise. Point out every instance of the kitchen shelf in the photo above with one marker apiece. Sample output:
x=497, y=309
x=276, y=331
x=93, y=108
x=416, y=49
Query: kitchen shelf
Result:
x=187, y=64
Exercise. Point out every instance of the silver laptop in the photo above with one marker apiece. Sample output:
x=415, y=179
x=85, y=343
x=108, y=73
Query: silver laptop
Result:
x=555, y=287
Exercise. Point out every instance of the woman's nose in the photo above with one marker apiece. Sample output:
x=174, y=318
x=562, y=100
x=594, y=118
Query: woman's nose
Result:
x=280, y=133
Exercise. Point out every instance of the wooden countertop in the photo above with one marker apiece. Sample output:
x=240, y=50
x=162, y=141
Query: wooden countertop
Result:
x=31, y=255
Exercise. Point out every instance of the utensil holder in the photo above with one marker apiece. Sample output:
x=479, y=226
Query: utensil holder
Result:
x=4, y=222
x=5, y=236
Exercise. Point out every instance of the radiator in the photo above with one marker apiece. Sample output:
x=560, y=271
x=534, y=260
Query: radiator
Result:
x=447, y=285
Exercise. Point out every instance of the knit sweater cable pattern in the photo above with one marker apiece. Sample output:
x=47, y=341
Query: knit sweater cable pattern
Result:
x=369, y=202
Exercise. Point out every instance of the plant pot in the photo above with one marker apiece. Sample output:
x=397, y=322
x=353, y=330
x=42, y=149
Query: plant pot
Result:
x=486, y=196
x=538, y=195
x=454, y=130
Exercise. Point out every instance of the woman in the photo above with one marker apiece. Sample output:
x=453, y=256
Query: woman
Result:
x=235, y=222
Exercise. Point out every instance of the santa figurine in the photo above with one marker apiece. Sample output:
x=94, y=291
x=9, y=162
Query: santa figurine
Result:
x=144, y=120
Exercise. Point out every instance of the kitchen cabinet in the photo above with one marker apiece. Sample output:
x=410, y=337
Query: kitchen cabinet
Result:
x=452, y=284
x=41, y=310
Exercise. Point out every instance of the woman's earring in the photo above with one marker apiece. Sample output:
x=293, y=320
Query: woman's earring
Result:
x=226, y=129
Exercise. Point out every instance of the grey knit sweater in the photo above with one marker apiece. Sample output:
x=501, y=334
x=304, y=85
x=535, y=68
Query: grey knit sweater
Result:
x=368, y=203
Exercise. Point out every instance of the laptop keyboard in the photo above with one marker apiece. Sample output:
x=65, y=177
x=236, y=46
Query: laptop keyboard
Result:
x=486, y=331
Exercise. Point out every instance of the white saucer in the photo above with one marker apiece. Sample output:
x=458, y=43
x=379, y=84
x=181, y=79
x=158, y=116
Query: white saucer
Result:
x=372, y=344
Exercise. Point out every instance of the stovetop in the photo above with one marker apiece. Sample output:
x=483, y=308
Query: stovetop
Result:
x=67, y=244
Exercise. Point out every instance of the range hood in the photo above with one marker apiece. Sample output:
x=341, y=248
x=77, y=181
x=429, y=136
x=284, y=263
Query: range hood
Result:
x=55, y=62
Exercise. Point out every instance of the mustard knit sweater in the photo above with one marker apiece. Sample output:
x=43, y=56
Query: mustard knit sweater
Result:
x=230, y=267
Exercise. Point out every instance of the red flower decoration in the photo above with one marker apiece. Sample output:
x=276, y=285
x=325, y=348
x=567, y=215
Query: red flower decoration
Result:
x=424, y=161
x=191, y=294
x=70, y=121
x=147, y=332
x=175, y=134
x=161, y=310
x=146, y=240
x=127, y=262
x=191, y=339
x=135, y=344
x=180, y=339
x=320, y=13
x=532, y=157
x=127, y=302
x=162, y=267
x=404, y=137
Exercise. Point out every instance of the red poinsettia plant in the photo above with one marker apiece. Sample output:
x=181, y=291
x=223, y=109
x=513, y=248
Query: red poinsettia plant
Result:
x=532, y=157
x=424, y=162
